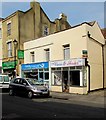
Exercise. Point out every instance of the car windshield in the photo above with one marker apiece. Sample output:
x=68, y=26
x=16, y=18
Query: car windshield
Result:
x=35, y=82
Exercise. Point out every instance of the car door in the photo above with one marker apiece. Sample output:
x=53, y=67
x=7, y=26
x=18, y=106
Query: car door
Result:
x=16, y=86
x=23, y=86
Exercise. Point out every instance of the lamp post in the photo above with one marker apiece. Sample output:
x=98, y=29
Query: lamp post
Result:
x=15, y=45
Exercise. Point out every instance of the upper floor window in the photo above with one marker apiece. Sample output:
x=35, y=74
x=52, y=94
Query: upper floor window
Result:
x=32, y=56
x=46, y=30
x=9, y=47
x=8, y=28
x=0, y=33
x=47, y=54
x=66, y=51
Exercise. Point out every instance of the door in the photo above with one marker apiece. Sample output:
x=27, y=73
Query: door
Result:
x=75, y=78
x=65, y=85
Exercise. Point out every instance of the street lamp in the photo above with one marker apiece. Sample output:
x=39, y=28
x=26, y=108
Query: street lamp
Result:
x=15, y=45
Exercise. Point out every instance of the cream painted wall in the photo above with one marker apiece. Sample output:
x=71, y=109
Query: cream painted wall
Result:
x=105, y=65
x=0, y=47
x=55, y=42
x=96, y=64
x=78, y=40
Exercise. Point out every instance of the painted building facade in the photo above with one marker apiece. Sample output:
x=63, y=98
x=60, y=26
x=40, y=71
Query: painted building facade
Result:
x=25, y=26
x=75, y=58
x=0, y=45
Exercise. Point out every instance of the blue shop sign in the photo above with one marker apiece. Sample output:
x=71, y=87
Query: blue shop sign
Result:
x=32, y=66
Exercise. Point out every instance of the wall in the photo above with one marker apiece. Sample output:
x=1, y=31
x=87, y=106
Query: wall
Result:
x=105, y=65
x=0, y=45
x=95, y=56
x=55, y=42
x=14, y=34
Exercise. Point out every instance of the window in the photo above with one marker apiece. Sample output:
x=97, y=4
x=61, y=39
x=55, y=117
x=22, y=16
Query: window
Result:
x=32, y=56
x=9, y=29
x=66, y=51
x=0, y=33
x=9, y=47
x=46, y=30
x=47, y=54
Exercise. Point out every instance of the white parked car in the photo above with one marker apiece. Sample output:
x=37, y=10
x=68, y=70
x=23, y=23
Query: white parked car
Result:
x=4, y=81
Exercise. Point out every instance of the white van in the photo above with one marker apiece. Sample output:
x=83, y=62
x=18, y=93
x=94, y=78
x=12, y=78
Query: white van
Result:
x=4, y=81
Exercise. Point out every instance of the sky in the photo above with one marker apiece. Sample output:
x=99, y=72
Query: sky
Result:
x=77, y=12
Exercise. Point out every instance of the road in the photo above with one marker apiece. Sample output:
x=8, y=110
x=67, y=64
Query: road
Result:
x=16, y=107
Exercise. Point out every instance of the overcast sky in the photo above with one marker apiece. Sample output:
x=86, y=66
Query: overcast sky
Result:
x=77, y=12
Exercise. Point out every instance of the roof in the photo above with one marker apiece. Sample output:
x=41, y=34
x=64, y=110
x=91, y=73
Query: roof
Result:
x=1, y=19
x=104, y=32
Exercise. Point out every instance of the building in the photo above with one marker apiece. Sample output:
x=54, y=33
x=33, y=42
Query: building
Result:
x=0, y=45
x=21, y=27
x=104, y=48
x=72, y=59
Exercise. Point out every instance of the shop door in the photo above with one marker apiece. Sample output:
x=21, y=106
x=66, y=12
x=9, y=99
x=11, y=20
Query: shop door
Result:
x=75, y=78
x=65, y=85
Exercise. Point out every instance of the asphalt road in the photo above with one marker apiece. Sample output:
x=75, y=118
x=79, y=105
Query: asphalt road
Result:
x=16, y=107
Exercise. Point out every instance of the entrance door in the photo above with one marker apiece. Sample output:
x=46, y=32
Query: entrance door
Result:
x=75, y=78
x=65, y=81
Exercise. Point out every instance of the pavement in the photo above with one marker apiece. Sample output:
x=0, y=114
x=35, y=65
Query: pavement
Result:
x=94, y=97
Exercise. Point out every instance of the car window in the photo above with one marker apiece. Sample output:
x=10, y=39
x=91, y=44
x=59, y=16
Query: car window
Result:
x=6, y=79
x=1, y=80
x=22, y=81
x=17, y=81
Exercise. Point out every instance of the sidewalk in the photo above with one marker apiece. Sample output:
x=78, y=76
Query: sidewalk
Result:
x=96, y=97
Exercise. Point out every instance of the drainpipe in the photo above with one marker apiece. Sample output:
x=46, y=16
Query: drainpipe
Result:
x=88, y=78
x=103, y=63
x=87, y=65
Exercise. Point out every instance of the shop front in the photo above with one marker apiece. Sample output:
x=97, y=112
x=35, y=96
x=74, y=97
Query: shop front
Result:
x=69, y=76
x=9, y=68
x=37, y=71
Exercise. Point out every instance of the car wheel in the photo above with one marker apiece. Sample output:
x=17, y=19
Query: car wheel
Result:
x=30, y=94
x=11, y=93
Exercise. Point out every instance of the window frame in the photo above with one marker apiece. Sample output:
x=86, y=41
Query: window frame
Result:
x=66, y=47
x=8, y=28
x=32, y=56
x=9, y=48
x=47, y=54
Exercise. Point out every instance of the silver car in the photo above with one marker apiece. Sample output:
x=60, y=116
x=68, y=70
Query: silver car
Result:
x=27, y=86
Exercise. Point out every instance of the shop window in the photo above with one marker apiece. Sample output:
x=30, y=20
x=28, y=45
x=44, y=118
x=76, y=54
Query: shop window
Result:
x=66, y=51
x=56, y=78
x=47, y=54
x=9, y=47
x=32, y=56
x=9, y=29
x=46, y=75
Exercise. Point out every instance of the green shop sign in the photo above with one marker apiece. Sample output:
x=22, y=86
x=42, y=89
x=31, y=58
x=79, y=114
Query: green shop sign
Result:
x=20, y=54
x=9, y=65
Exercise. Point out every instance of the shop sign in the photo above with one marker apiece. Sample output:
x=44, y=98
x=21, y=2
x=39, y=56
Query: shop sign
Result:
x=8, y=65
x=84, y=53
x=67, y=63
x=35, y=66
x=21, y=54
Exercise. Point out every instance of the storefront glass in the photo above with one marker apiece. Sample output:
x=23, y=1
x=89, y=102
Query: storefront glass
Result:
x=37, y=71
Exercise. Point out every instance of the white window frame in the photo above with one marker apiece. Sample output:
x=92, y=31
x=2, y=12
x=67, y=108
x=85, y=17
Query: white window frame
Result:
x=32, y=56
x=47, y=54
x=9, y=48
x=66, y=47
